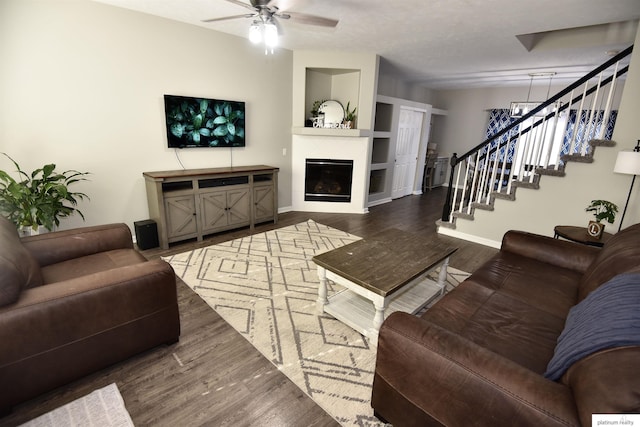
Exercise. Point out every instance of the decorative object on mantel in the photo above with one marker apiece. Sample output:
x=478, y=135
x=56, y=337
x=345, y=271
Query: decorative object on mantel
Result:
x=349, y=117
x=333, y=113
x=314, y=120
x=602, y=209
x=628, y=162
x=265, y=26
x=39, y=199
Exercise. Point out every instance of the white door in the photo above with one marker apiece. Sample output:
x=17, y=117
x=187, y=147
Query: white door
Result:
x=407, y=145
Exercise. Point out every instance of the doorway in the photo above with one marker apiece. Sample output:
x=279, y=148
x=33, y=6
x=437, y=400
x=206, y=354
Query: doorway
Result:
x=407, y=147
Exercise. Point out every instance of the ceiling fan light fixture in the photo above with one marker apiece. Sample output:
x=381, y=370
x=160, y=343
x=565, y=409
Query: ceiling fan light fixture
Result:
x=270, y=35
x=255, y=32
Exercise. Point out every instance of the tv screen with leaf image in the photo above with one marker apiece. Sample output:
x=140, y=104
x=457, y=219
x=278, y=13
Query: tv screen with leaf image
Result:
x=201, y=122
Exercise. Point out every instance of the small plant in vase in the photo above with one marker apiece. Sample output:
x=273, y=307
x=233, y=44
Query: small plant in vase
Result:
x=602, y=210
x=349, y=117
x=315, y=112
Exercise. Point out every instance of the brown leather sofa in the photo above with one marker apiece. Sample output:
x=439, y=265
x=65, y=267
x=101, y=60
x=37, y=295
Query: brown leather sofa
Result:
x=73, y=302
x=478, y=357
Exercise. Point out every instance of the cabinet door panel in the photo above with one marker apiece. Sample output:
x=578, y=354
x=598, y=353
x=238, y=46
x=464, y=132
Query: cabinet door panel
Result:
x=181, y=220
x=238, y=206
x=263, y=203
x=213, y=213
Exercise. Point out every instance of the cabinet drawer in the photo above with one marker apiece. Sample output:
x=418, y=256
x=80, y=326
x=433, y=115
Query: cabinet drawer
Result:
x=223, y=182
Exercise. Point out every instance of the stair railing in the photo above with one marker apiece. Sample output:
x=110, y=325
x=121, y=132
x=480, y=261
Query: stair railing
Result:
x=489, y=170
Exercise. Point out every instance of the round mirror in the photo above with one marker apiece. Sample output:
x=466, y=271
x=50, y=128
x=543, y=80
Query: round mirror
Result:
x=333, y=113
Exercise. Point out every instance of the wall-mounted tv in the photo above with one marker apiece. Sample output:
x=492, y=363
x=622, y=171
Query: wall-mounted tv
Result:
x=202, y=122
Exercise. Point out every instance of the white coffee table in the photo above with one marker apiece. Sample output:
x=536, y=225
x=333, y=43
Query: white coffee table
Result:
x=382, y=274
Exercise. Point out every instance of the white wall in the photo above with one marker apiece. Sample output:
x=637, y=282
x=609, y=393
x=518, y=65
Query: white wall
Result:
x=82, y=86
x=393, y=87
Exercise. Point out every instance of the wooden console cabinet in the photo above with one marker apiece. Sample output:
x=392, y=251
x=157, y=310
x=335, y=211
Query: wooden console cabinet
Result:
x=192, y=203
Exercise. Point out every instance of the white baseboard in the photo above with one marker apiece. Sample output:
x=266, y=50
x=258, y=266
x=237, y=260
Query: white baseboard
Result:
x=379, y=202
x=469, y=237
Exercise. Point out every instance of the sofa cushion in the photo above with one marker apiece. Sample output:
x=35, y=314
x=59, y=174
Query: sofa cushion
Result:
x=608, y=317
x=620, y=254
x=18, y=269
x=90, y=264
x=499, y=322
x=545, y=286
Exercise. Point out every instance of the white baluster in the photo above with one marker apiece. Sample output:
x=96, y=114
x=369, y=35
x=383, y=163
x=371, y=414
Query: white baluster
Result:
x=607, y=108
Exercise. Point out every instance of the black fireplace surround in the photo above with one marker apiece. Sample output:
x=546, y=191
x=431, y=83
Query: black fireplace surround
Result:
x=328, y=180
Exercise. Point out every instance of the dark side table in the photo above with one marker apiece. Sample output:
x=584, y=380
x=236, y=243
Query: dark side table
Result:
x=580, y=235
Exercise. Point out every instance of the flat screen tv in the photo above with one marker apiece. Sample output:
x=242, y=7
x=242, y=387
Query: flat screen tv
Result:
x=202, y=122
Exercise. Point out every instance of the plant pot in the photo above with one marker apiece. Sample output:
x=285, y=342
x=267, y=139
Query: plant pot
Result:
x=595, y=229
x=27, y=230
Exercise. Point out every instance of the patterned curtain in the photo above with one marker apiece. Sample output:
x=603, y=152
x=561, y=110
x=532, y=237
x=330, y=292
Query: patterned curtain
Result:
x=582, y=137
x=498, y=120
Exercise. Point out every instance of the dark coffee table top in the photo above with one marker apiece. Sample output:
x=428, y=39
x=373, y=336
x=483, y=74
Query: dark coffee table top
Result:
x=387, y=261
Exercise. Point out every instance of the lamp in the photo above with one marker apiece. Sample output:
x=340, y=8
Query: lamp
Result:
x=628, y=162
x=519, y=109
x=264, y=32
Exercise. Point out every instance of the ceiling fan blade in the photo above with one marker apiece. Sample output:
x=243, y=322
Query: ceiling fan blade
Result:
x=239, y=3
x=226, y=18
x=303, y=18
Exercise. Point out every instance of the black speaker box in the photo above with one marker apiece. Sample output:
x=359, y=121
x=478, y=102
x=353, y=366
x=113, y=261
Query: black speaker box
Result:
x=146, y=234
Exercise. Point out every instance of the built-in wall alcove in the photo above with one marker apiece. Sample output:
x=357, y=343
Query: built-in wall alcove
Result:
x=338, y=84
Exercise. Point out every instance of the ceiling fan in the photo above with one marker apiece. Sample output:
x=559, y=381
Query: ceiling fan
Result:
x=266, y=12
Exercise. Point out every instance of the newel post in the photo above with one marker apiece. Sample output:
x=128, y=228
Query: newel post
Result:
x=446, y=209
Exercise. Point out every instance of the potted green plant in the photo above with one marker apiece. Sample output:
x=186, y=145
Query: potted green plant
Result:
x=40, y=198
x=349, y=116
x=315, y=113
x=602, y=210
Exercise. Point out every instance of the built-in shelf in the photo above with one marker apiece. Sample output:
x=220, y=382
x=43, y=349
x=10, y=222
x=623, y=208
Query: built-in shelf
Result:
x=384, y=117
x=339, y=84
x=379, y=166
x=330, y=132
x=380, y=150
x=377, y=181
x=381, y=134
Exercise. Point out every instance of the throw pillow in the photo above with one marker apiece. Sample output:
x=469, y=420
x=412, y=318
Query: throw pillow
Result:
x=608, y=317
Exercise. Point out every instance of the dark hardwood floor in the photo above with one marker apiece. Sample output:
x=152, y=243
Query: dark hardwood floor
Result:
x=213, y=376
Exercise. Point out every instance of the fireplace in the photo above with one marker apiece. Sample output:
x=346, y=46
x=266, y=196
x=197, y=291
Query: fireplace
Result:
x=314, y=148
x=328, y=180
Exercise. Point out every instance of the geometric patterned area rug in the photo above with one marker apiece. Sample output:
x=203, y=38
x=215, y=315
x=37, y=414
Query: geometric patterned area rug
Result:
x=265, y=286
x=100, y=408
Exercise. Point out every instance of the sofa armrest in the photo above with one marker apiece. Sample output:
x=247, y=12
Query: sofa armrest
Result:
x=561, y=253
x=450, y=380
x=58, y=246
x=62, y=331
x=51, y=315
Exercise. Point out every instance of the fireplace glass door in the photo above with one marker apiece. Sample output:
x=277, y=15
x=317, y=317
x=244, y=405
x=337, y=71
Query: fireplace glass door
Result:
x=328, y=180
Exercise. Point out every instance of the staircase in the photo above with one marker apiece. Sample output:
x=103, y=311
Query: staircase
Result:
x=568, y=127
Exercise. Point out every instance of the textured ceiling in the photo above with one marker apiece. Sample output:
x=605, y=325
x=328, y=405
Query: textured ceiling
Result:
x=442, y=44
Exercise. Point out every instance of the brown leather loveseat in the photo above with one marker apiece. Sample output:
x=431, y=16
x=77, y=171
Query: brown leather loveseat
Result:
x=546, y=333
x=75, y=301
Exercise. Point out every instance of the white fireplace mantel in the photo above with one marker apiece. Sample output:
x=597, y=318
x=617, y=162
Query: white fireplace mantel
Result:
x=357, y=149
